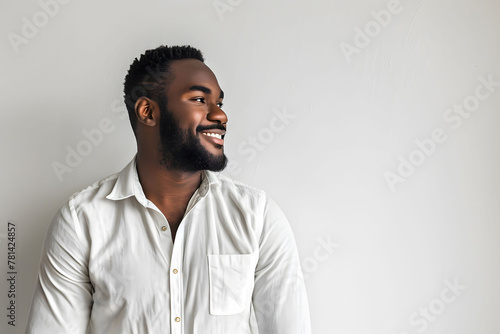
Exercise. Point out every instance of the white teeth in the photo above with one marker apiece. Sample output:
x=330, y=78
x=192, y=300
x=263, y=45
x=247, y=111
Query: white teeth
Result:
x=216, y=135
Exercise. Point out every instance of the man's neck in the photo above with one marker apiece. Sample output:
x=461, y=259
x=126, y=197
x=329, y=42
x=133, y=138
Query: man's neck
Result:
x=163, y=186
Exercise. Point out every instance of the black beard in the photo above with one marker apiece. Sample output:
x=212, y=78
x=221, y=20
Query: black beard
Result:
x=180, y=150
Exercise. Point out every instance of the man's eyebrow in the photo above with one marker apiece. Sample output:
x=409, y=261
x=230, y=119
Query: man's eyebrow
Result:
x=205, y=90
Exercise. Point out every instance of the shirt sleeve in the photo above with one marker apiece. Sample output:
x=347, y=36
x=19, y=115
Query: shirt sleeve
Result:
x=62, y=300
x=279, y=297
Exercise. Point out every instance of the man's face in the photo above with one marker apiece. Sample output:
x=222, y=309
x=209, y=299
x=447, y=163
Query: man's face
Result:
x=192, y=123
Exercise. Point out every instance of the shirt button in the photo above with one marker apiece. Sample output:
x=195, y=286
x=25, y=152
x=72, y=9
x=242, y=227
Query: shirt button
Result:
x=178, y=319
x=163, y=228
x=175, y=271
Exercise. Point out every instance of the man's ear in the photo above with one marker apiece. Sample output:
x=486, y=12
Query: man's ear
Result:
x=145, y=111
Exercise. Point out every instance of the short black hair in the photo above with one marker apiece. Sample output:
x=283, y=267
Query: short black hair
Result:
x=148, y=75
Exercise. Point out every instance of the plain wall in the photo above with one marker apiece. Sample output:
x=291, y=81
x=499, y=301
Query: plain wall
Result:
x=373, y=124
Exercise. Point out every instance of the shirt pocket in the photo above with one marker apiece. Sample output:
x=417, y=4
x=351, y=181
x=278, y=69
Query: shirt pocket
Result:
x=231, y=281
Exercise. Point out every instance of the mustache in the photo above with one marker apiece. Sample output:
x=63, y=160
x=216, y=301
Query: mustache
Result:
x=200, y=128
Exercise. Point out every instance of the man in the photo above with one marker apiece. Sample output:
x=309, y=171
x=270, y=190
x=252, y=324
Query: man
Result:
x=167, y=245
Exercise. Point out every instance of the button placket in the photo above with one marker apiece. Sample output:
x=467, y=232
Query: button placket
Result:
x=176, y=289
x=176, y=261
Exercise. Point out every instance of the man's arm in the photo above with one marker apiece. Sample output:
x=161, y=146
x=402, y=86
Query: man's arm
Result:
x=62, y=299
x=279, y=296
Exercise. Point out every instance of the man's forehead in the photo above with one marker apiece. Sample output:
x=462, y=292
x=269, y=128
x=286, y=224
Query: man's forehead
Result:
x=187, y=73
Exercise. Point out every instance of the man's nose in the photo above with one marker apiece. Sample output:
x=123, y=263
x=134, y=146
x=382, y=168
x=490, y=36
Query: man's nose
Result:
x=216, y=114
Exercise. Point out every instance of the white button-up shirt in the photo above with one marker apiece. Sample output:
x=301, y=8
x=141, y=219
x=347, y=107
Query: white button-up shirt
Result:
x=109, y=264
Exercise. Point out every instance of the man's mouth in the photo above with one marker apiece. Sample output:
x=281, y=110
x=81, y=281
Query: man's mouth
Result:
x=211, y=134
x=215, y=135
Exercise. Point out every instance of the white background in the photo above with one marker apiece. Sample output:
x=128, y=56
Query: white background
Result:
x=356, y=117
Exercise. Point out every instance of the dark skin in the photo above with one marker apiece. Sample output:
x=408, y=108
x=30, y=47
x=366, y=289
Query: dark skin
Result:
x=195, y=98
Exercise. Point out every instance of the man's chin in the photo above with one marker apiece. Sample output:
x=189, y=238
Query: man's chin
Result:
x=218, y=166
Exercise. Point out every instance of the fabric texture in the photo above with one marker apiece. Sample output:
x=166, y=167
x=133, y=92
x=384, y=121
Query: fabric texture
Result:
x=109, y=264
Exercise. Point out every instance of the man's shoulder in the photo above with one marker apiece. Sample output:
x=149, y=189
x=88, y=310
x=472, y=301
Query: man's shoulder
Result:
x=98, y=190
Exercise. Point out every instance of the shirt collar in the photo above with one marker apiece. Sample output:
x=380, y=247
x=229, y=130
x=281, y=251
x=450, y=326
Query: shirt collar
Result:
x=127, y=184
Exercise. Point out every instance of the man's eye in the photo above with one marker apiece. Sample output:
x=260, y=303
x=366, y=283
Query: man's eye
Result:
x=220, y=104
x=199, y=99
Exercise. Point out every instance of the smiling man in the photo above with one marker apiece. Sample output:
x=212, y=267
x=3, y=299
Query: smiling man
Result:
x=167, y=245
